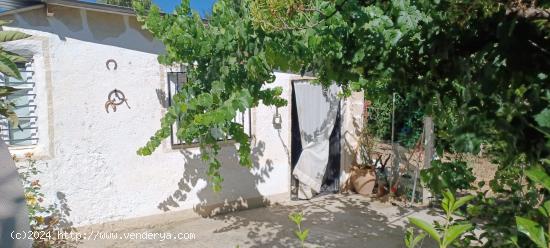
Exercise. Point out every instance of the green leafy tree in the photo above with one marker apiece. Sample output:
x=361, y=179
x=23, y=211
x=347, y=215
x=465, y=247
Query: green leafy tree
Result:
x=9, y=68
x=126, y=3
x=479, y=67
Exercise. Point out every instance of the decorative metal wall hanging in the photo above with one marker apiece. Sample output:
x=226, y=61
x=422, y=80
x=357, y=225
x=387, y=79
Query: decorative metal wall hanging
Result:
x=113, y=62
x=115, y=98
x=277, y=119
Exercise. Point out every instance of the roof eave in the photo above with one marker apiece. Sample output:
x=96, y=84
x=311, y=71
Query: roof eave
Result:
x=28, y=8
x=93, y=7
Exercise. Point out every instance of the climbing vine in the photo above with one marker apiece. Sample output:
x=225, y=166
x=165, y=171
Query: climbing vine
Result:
x=479, y=67
x=228, y=72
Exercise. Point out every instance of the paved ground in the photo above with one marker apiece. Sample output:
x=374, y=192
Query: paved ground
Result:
x=333, y=220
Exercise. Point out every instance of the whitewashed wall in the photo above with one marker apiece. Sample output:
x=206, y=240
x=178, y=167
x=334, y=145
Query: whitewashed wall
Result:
x=88, y=156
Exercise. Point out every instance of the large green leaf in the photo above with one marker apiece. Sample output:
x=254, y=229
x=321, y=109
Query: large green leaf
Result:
x=426, y=227
x=412, y=241
x=513, y=240
x=8, y=67
x=461, y=201
x=533, y=230
x=6, y=90
x=16, y=58
x=454, y=232
x=12, y=35
x=7, y=111
x=545, y=209
x=543, y=118
x=302, y=235
x=538, y=175
x=448, y=201
x=296, y=218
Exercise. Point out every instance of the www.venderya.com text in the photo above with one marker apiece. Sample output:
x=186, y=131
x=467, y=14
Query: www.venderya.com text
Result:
x=96, y=235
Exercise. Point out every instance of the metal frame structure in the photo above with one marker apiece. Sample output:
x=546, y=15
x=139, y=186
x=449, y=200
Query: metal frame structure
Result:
x=7, y=132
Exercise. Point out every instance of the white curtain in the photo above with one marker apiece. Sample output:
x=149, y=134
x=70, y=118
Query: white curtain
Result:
x=317, y=109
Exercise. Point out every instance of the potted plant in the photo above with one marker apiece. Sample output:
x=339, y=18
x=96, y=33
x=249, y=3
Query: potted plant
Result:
x=363, y=179
x=368, y=173
x=363, y=175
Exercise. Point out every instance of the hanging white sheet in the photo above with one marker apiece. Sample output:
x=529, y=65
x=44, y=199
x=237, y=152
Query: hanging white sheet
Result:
x=317, y=109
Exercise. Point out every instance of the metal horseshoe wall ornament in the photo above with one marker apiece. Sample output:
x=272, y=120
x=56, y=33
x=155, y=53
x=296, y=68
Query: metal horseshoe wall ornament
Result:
x=109, y=62
x=115, y=98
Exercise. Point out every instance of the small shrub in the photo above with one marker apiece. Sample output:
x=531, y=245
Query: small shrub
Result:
x=446, y=234
x=46, y=221
x=455, y=176
x=300, y=233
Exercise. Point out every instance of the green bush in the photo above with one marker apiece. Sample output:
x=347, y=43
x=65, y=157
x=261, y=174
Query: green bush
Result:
x=455, y=175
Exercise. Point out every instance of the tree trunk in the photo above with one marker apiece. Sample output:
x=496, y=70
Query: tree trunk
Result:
x=14, y=218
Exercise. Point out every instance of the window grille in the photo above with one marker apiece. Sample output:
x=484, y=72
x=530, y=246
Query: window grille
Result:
x=175, y=82
x=25, y=107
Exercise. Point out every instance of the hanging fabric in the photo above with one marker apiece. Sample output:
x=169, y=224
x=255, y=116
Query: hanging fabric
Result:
x=317, y=109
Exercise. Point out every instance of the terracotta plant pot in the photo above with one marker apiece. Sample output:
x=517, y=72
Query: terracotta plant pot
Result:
x=363, y=181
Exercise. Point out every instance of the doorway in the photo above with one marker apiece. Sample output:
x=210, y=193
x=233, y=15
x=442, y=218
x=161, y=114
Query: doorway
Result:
x=331, y=174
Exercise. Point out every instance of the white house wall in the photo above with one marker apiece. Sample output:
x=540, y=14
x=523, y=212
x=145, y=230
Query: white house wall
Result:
x=88, y=156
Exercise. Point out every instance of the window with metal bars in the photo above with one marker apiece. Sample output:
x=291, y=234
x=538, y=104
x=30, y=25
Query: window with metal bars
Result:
x=25, y=107
x=175, y=82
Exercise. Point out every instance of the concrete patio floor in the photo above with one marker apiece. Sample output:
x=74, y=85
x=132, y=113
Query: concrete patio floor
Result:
x=333, y=220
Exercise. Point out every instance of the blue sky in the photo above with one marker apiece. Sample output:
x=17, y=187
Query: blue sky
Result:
x=202, y=6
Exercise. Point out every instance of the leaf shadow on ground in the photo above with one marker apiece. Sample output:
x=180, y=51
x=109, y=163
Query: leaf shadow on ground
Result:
x=334, y=221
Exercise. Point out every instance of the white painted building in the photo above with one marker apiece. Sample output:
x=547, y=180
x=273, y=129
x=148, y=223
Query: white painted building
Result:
x=88, y=155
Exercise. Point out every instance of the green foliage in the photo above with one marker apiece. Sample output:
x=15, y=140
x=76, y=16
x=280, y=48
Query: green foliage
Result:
x=512, y=196
x=479, y=67
x=366, y=144
x=379, y=120
x=531, y=228
x=411, y=128
x=46, y=221
x=455, y=175
x=538, y=175
x=451, y=230
x=426, y=227
x=274, y=15
x=228, y=73
x=6, y=107
x=300, y=233
x=408, y=118
x=543, y=120
x=33, y=195
x=9, y=68
x=126, y=3
x=412, y=240
x=482, y=75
